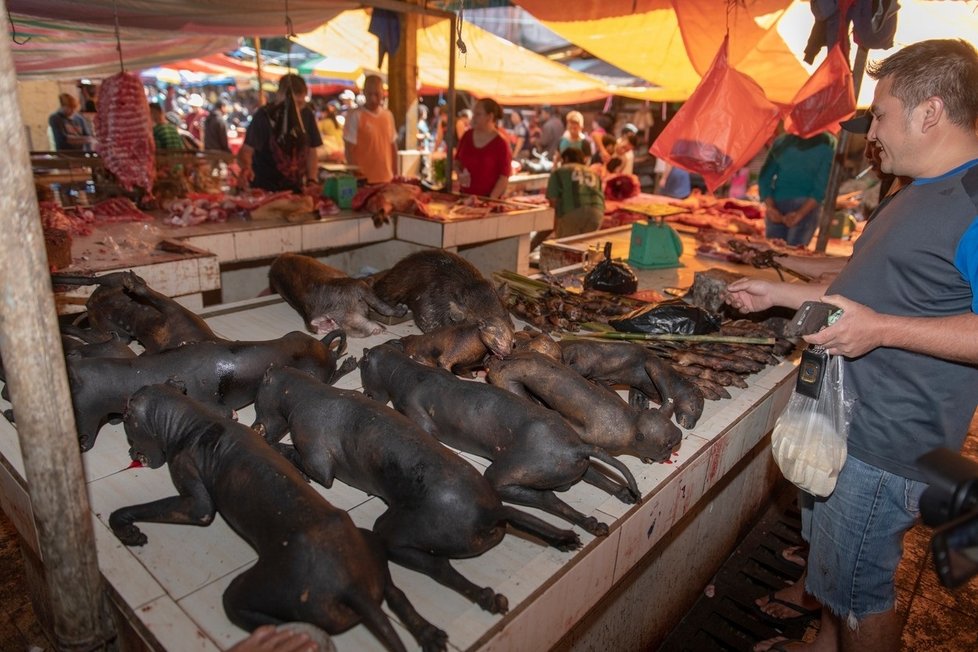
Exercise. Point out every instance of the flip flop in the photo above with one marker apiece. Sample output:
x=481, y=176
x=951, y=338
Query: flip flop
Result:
x=804, y=615
x=799, y=552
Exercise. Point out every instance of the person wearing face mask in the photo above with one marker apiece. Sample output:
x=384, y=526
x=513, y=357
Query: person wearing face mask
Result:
x=483, y=161
x=279, y=150
x=369, y=135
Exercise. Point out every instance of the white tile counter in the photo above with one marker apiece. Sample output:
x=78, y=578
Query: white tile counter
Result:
x=173, y=585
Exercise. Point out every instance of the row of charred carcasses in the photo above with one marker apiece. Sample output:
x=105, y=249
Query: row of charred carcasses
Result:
x=545, y=416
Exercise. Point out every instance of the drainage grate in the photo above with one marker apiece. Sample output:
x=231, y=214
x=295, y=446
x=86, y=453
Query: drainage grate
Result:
x=729, y=620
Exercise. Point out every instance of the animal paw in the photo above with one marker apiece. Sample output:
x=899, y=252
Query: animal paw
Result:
x=85, y=443
x=494, y=603
x=626, y=496
x=567, y=542
x=130, y=535
x=595, y=527
x=433, y=639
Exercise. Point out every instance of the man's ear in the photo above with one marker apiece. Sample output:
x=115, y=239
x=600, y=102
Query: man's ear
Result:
x=933, y=112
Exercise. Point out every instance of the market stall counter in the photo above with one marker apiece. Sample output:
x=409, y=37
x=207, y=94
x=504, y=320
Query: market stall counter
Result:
x=626, y=589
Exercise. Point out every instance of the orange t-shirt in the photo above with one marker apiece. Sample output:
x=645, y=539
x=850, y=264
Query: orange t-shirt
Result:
x=372, y=152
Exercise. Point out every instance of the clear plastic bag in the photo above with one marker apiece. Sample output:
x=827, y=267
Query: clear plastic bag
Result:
x=809, y=439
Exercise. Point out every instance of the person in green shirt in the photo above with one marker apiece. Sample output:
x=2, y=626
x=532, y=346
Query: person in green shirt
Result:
x=792, y=186
x=575, y=192
x=165, y=134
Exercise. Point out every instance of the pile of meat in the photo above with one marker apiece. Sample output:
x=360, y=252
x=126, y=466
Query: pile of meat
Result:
x=550, y=307
x=199, y=208
x=714, y=366
x=125, y=138
x=742, y=249
x=80, y=221
x=383, y=199
x=730, y=215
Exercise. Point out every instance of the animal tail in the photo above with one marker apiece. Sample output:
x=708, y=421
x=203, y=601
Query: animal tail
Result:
x=75, y=279
x=375, y=620
x=333, y=335
x=612, y=461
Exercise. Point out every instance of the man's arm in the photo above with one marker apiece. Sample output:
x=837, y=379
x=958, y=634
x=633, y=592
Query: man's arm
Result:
x=754, y=295
x=245, y=155
x=862, y=329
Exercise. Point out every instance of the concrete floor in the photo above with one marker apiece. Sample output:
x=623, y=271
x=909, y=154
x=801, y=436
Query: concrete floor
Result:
x=937, y=620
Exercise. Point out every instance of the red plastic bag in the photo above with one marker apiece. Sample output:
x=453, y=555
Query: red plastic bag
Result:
x=721, y=126
x=826, y=98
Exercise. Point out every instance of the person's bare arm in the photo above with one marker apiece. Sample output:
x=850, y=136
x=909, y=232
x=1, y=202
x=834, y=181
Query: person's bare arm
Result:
x=861, y=329
x=792, y=218
x=754, y=295
x=499, y=189
x=312, y=165
x=245, y=156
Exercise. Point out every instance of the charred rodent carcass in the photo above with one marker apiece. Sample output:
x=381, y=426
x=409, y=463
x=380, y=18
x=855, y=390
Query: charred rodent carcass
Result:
x=314, y=565
x=326, y=297
x=438, y=505
x=444, y=289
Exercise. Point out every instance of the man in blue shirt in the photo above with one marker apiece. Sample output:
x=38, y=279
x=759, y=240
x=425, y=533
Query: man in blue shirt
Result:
x=908, y=332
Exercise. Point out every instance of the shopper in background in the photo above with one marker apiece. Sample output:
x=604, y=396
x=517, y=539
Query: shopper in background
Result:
x=575, y=192
x=165, y=135
x=279, y=151
x=675, y=182
x=792, y=185
x=483, y=161
x=574, y=137
x=909, y=334
x=625, y=149
x=370, y=135
x=601, y=128
x=330, y=126
x=518, y=134
x=216, y=129
x=69, y=128
x=463, y=122
x=551, y=130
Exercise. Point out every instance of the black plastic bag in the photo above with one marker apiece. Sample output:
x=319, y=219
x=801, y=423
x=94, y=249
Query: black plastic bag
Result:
x=611, y=276
x=673, y=316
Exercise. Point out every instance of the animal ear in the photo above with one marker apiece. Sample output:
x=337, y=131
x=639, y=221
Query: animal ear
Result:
x=455, y=311
x=177, y=384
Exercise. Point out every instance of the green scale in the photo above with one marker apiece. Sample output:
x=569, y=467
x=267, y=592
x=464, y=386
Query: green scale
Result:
x=654, y=245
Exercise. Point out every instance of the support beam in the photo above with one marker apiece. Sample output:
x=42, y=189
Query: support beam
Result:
x=402, y=80
x=835, y=175
x=35, y=371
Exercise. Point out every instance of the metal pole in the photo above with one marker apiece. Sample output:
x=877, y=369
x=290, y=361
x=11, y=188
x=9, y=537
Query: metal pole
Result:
x=32, y=358
x=450, y=126
x=835, y=175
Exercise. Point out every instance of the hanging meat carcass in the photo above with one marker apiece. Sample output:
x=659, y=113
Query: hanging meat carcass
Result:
x=125, y=138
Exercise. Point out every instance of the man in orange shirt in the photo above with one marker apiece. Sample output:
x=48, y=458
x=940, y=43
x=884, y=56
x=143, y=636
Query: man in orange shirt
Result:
x=369, y=135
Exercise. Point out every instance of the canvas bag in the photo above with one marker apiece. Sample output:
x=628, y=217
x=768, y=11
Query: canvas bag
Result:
x=825, y=99
x=721, y=126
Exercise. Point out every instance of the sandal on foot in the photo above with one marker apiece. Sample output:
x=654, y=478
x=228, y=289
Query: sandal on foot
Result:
x=793, y=553
x=804, y=615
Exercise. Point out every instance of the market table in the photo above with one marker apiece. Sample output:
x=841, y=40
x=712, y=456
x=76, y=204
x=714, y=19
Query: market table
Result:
x=631, y=585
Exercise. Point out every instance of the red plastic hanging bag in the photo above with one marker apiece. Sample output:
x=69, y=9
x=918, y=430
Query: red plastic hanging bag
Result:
x=826, y=98
x=721, y=126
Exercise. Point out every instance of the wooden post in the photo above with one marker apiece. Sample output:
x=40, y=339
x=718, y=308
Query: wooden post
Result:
x=34, y=364
x=261, y=84
x=842, y=147
x=402, y=80
x=450, y=126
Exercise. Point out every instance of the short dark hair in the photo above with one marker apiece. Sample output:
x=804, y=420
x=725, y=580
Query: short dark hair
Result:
x=491, y=107
x=154, y=107
x=614, y=164
x=572, y=155
x=944, y=68
x=292, y=83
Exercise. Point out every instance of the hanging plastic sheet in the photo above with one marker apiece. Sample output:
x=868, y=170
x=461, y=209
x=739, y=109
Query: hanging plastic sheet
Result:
x=826, y=98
